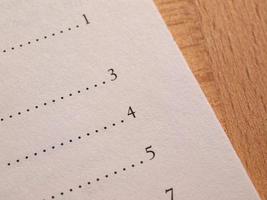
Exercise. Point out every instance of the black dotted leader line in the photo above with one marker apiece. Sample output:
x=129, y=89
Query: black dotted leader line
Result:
x=96, y=180
x=37, y=40
x=52, y=101
x=64, y=143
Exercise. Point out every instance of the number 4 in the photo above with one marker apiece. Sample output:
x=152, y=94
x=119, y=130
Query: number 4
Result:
x=131, y=112
x=171, y=191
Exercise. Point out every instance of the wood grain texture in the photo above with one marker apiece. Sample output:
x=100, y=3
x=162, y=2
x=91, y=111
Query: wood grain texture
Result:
x=225, y=44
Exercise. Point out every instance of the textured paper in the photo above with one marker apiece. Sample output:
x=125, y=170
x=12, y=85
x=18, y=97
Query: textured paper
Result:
x=57, y=86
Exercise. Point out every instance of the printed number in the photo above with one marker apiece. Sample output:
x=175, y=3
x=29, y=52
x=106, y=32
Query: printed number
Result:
x=148, y=150
x=86, y=20
x=131, y=112
x=171, y=191
x=113, y=74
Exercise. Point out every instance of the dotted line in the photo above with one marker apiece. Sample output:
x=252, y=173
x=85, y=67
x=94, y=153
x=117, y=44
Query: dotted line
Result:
x=51, y=102
x=37, y=40
x=68, y=142
x=94, y=181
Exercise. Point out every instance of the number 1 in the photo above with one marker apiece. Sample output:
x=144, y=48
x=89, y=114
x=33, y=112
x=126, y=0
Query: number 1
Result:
x=170, y=190
x=86, y=20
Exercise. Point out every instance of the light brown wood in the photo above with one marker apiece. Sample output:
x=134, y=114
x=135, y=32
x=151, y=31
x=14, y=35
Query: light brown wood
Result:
x=225, y=44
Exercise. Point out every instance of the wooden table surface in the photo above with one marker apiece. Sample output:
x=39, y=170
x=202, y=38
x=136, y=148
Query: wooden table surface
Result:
x=225, y=45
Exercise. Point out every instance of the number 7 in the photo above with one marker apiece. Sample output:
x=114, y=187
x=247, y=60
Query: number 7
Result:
x=170, y=190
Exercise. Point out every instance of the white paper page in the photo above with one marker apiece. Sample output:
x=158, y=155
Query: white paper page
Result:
x=98, y=103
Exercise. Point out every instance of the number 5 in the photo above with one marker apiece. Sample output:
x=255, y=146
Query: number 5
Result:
x=150, y=151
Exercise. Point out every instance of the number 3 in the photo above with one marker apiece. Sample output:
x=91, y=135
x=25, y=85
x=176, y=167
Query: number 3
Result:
x=113, y=74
